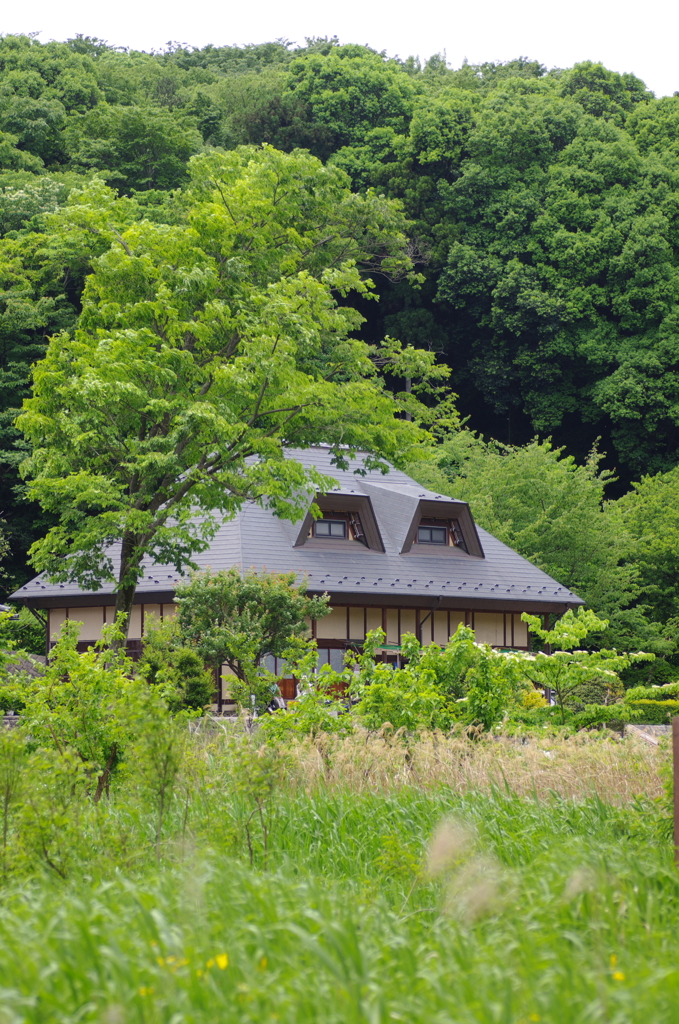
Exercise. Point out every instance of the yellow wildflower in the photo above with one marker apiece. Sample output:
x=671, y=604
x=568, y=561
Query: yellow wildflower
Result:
x=614, y=960
x=221, y=961
x=143, y=991
x=618, y=976
x=262, y=963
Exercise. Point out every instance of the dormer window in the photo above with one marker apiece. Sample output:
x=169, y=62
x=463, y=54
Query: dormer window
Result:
x=445, y=532
x=335, y=525
x=345, y=516
x=330, y=528
x=432, y=535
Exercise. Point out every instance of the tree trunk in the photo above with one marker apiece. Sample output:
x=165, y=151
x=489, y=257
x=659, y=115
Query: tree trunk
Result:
x=126, y=591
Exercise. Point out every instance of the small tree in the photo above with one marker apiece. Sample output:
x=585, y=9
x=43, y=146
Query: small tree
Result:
x=565, y=669
x=238, y=620
x=89, y=708
x=176, y=669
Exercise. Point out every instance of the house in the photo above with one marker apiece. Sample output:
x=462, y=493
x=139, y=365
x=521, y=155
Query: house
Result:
x=389, y=552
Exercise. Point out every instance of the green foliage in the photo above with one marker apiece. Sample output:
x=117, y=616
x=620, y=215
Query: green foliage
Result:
x=564, y=670
x=137, y=148
x=328, y=931
x=668, y=692
x=543, y=504
x=175, y=668
x=654, y=704
x=592, y=715
x=654, y=712
x=90, y=709
x=649, y=516
x=256, y=775
x=24, y=633
x=463, y=681
x=12, y=776
x=540, y=502
x=239, y=618
x=321, y=705
x=351, y=91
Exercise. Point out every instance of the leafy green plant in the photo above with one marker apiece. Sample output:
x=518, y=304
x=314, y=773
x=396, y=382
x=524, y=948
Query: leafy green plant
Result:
x=256, y=773
x=24, y=633
x=564, y=670
x=653, y=712
x=177, y=669
x=12, y=763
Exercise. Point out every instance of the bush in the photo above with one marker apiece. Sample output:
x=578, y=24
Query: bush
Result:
x=655, y=673
x=655, y=712
x=23, y=633
x=548, y=714
x=178, y=670
x=593, y=692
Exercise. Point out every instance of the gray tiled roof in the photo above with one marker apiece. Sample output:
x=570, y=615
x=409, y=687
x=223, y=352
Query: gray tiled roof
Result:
x=256, y=538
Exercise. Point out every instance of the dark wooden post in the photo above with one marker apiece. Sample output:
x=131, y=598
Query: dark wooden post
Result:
x=675, y=777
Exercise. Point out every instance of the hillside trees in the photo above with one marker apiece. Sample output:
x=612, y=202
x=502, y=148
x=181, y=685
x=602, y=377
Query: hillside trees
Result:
x=548, y=207
x=566, y=265
x=203, y=351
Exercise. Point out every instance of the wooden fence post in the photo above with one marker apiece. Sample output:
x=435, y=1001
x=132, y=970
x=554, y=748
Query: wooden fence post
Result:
x=675, y=776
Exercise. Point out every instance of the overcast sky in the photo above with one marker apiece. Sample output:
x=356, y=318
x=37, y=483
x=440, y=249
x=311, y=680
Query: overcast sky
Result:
x=623, y=35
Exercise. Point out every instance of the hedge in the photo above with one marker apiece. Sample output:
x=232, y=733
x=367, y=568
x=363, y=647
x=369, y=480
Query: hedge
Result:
x=655, y=712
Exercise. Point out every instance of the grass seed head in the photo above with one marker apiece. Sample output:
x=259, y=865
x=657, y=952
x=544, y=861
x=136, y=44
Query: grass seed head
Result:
x=475, y=891
x=449, y=844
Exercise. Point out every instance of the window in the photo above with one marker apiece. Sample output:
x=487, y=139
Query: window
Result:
x=337, y=525
x=330, y=528
x=432, y=535
x=440, y=531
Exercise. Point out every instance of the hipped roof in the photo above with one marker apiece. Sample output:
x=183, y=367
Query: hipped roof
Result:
x=256, y=538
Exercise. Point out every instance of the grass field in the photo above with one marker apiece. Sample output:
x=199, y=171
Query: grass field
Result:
x=350, y=885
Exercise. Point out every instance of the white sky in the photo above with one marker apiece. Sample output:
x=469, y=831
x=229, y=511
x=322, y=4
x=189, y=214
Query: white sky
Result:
x=621, y=34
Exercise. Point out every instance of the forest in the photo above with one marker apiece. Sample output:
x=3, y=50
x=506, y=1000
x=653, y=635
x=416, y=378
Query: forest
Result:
x=538, y=212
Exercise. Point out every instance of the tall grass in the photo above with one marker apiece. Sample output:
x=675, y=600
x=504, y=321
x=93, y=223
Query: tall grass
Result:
x=537, y=903
x=573, y=766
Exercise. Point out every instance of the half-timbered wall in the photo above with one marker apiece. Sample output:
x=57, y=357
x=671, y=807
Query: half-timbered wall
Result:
x=96, y=617
x=343, y=624
x=346, y=624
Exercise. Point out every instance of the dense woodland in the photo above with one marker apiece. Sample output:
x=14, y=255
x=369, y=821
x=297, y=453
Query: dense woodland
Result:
x=542, y=211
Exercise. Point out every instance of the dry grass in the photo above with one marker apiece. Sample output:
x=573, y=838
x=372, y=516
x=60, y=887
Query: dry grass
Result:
x=573, y=766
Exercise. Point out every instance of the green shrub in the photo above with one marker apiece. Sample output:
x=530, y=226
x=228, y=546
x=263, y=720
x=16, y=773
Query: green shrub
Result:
x=655, y=712
x=594, y=692
x=24, y=633
x=551, y=714
x=654, y=673
x=178, y=670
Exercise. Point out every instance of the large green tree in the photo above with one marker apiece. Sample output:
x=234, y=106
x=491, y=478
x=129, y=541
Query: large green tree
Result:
x=203, y=352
